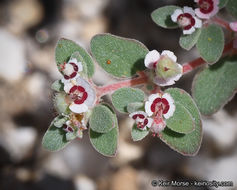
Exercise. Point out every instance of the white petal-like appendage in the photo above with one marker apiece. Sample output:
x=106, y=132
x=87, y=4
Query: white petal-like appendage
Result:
x=148, y=108
x=176, y=14
x=170, y=54
x=198, y=23
x=162, y=82
x=73, y=60
x=190, y=31
x=152, y=97
x=150, y=121
x=80, y=67
x=67, y=87
x=189, y=10
x=138, y=112
x=78, y=108
x=196, y=1
x=233, y=26
x=90, y=91
x=171, y=104
x=152, y=57
x=202, y=15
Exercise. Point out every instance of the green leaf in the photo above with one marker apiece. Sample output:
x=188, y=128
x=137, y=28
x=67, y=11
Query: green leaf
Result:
x=135, y=106
x=232, y=7
x=79, y=58
x=60, y=103
x=121, y=57
x=59, y=121
x=54, y=139
x=138, y=134
x=102, y=119
x=215, y=85
x=162, y=16
x=210, y=43
x=182, y=120
x=105, y=143
x=188, y=41
x=186, y=144
x=124, y=96
x=222, y=3
x=65, y=48
x=57, y=86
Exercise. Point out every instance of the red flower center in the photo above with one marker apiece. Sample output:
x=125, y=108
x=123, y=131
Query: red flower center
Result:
x=206, y=6
x=186, y=21
x=140, y=124
x=73, y=74
x=78, y=94
x=160, y=105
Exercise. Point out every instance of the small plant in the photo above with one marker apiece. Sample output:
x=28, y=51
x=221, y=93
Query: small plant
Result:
x=169, y=114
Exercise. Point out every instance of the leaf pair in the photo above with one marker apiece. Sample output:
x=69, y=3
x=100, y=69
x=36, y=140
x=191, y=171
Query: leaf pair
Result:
x=208, y=40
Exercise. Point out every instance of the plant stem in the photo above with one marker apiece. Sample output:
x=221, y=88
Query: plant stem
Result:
x=103, y=90
x=222, y=23
x=188, y=67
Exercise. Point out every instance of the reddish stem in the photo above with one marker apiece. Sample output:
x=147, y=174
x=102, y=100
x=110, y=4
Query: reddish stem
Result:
x=103, y=90
x=199, y=61
x=222, y=23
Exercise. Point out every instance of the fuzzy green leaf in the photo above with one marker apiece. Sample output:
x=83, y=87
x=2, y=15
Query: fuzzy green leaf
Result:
x=232, y=7
x=105, y=143
x=188, y=41
x=210, y=43
x=215, y=86
x=57, y=86
x=138, y=134
x=182, y=120
x=54, y=139
x=65, y=48
x=135, y=106
x=222, y=3
x=186, y=144
x=124, y=96
x=60, y=103
x=102, y=119
x=162, y=16
x=121, y=57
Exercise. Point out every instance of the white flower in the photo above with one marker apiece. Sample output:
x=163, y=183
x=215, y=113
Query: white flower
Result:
x=159, y=107
x=81, y=93
x=160, y=104
x=167, y=70
x=71, y=69
x=207, y=8
x=141, y=119
x=186, y=20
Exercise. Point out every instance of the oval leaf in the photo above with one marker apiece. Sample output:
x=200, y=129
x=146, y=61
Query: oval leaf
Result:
x=105, y=143
x=135, y=106
x=138, y=134
x=186, y=144
x=65, y=48
x=214, y=86
x=188, y=41
x=57, y=86
x=162, y=16
x=54, y=139
x=60, y=103
x=118, y=56
x=232, y=7
x=210, y=43
x=124, y=96
x=102, y=119
x=182, y=121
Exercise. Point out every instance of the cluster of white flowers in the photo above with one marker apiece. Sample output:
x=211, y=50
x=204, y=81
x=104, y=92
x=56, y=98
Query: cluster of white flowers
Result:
x=80, y=96
x=187, y=17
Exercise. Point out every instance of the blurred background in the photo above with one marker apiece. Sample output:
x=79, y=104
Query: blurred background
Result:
x=29, y=30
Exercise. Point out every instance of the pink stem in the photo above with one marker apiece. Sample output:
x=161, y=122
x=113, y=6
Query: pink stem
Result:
x=199, y=61
x=103, y=90
x=222, y=23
